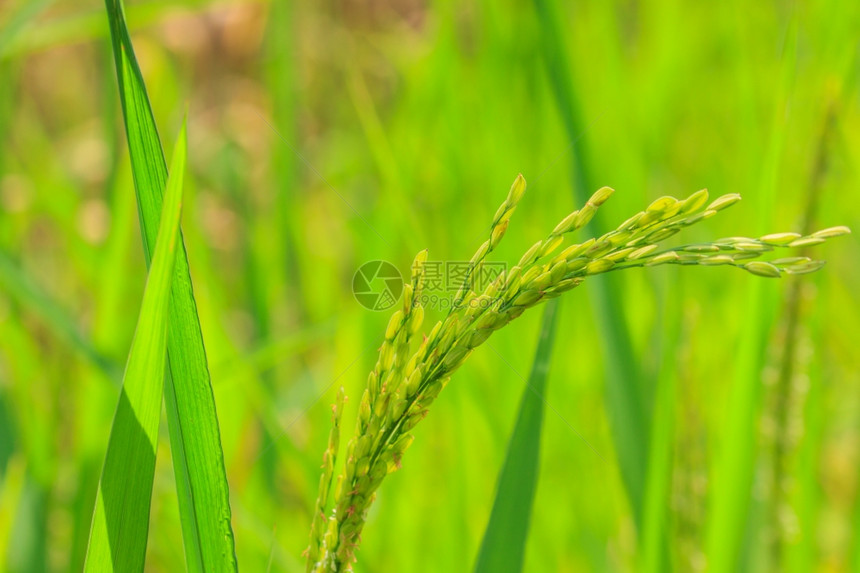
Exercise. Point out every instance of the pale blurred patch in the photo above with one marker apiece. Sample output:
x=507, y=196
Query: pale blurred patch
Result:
x=16, y=193
x=94, y=221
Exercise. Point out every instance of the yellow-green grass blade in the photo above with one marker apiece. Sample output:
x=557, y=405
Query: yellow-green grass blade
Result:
x=195, y=440
x=734, y=466
x=624, y=402
x=504, y=544
x=25, y=13
x=70, y=26
x=121, y=517
x=653, y=556
x=801, y=555
x=31, y=296
x=11, y=489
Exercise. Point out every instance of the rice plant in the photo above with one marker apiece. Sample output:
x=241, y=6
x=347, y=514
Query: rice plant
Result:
x=655, y=421
x=402, y=385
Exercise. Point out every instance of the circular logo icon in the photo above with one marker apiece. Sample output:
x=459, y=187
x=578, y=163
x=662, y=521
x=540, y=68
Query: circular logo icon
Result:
x=377, y=285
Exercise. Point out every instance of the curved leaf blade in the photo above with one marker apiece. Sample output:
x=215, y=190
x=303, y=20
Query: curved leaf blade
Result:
x=504, y=544
x=626, y=403
x=121, y=518
x=195, y=440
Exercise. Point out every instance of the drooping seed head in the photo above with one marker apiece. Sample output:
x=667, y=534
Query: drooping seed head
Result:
x=495, y=286
x=558, y=270
x=551, y=245
x=575, y=251
x=414, y=381
x=402, y=443
x=831, y=232
x=662, y=234
x=566, y=225
x=725, y=201
x=408, y=298
x=530, y=275
x=598, y=249
x=518, y=188
x=542, y=281
x=762, y=269
x=386, y=356
x=530, y=255
x=661, y=205
x=500, y=212
x=693, y=219
x=662, y=258
x=601, y=195
x=478, y=337
x=584, y=215
x=642, y=251
x=577, y=264
x=513, y=278
x=804, y=268
x=373, y=382
x=806, y=242
x=694, y=202
x=394, y=324
x=498, y=232
x=364, y=408
x=716, y=260
x=416, y=318
x=631, y=222
x=620, y=254
x=400, y=388
x=418, y=265
x=599, y=266
x=753, y=247
x=619, y=237
x=526, y=298
x=481, y=252
x=701, y=248
x=455, y=357
x=780, y=238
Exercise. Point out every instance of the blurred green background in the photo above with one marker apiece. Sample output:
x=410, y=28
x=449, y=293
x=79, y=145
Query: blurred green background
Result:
x=325, y=135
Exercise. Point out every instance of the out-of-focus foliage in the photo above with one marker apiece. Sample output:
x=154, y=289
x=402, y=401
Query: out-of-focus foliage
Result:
x=325, y=135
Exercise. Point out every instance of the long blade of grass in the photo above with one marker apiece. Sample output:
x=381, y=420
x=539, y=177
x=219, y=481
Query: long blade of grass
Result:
x=504, y=544
x=23, y=15
x=31, y=296
x=734, y=468
x=624, y=402
x=655, y=523
x=121, y=518
x=783, y=406
x=11, y=488
x=198, y=460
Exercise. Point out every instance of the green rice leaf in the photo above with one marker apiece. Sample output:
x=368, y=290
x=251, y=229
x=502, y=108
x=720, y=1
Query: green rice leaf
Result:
x=504, y=544
x=23, y=15
x=625, y=404
x=121, y=517
x=655, y=531
x=734, y=467
x=26, y=292
x=195, y=440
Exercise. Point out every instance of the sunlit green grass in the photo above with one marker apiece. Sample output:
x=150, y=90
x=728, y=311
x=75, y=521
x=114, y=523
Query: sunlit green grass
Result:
x=420, y=118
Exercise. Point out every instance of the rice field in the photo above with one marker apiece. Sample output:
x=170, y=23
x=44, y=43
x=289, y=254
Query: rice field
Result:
x=217, y=341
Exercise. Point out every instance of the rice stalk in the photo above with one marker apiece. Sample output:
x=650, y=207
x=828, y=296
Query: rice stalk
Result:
x=628, y=407
x=192, y=420
x=503, y=547
x=402, y=385
x=688, y=503
x=788, y=381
